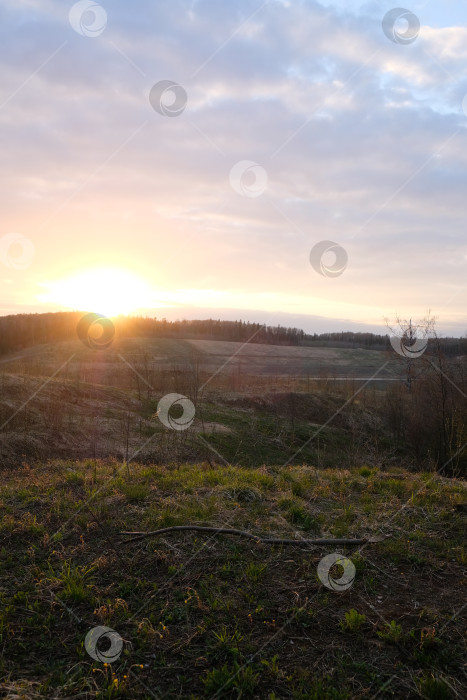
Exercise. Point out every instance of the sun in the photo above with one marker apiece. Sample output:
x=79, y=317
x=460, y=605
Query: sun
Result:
x=107, y=291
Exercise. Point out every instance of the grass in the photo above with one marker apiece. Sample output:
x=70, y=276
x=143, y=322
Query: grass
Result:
x=352, y=621
x=210, y=616
x=392, y=632
x=434, y=689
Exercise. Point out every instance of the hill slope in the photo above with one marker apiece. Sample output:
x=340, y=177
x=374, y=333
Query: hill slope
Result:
x=65, y=400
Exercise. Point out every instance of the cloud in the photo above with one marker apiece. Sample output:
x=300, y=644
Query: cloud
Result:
x=362, y=141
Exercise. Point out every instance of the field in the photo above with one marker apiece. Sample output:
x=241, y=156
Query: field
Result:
x=252, y=360
x=286, y=442
x=270, y=360
x=217, y=616
x=256, y=403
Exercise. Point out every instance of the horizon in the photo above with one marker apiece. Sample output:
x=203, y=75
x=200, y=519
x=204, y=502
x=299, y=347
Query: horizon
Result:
x=123, y=317
x=178, y=165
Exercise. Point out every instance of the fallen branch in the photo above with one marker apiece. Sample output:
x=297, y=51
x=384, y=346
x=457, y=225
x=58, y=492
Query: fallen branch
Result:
x=242, y=533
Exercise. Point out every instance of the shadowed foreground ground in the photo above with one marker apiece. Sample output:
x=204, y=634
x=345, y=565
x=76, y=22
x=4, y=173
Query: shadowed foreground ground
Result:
x=215, y=616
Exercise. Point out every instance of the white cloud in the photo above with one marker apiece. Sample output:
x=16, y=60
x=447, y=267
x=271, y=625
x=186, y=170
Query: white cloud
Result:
x=346, y=124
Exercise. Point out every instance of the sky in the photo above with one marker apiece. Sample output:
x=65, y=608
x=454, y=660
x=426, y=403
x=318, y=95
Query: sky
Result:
x=288, y=161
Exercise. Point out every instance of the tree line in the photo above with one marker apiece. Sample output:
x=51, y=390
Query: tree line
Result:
x=25, y=330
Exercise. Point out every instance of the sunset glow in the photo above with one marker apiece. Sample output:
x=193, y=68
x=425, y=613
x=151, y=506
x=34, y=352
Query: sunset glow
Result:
x=133, y=189
x=107, y=291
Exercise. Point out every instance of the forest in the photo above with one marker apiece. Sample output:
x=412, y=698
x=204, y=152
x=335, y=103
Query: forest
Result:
x=25, y=330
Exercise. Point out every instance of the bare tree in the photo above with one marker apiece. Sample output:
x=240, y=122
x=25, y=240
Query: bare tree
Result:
x=410, y=341
x=432, y=418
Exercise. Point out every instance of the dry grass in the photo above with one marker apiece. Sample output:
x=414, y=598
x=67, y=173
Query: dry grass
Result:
x=206, y=617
